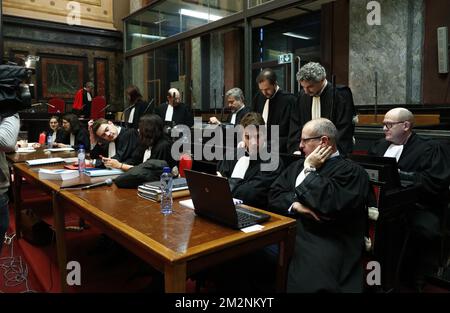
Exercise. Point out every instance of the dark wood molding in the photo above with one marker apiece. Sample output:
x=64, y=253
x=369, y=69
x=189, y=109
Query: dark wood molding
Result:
x=36, y=31
x=101, y=80
x=335, y=40
x=436, y=88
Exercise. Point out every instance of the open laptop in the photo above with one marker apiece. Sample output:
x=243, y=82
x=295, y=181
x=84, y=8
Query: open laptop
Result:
x=212, y=199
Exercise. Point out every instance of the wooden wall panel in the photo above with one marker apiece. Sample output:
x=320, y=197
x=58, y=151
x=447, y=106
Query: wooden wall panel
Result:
x=435, y=85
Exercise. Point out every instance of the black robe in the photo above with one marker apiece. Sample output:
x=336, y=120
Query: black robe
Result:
x=87, y=105
x=59, y=134
x=239, y=115
x=280, y=107
x=254, y=188
x=81, y=138
x=160, y=151
x=140, y=108
x=427, y=163
x=327, y=254
x=182, y=114
x=126, y=143
x=341, y=116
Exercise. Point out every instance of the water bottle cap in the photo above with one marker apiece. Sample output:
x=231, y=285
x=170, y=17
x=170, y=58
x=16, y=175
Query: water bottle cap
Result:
x=166, y=169
x=81, y=147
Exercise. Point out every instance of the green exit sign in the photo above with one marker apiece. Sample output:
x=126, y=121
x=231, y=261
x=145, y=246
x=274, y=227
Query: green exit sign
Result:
x=285, y=58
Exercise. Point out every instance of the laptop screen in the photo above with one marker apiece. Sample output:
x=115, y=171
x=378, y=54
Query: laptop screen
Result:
x=381, y=169
x=212, y=197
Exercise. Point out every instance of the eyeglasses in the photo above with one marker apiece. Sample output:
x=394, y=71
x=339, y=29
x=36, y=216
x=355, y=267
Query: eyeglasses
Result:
x=304, y=140
x=389, y=125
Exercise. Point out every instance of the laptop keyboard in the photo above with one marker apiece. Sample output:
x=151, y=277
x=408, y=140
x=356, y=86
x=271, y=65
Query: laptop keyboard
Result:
x=246, y=217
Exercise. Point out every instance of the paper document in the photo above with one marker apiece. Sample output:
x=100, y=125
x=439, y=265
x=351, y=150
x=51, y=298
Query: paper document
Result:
x=26, y=150
x=44, y=161
x=59, y=149
x=189, y=204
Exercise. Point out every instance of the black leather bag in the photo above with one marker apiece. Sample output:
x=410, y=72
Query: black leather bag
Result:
x=148, y=171
x=34, y=230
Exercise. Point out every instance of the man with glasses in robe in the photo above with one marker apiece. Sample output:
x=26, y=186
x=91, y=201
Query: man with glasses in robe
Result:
x=426, y=163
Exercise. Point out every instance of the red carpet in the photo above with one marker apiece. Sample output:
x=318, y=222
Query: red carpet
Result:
x=113, y=270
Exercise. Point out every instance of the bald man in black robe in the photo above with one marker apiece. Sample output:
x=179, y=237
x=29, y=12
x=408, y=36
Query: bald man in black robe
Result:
x=328, y=196
x=426, y=163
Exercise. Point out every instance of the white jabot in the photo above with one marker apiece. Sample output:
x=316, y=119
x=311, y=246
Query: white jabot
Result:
x=169, y=113
x=147, y=155
x=89, y=97
x=315, y=108
x=131, y=117
x=111, y=149
x=394, y=151
x=233, y=117
x=265, y=113
x=300, y=178
x=72, y=140
x=241, y=167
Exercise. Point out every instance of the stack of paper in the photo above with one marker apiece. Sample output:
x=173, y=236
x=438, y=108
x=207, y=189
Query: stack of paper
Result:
x=44, y=161
x=152, y=190
x=57, y=174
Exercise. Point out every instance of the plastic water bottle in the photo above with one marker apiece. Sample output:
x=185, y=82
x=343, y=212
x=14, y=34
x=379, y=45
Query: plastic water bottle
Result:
x=166, y=191
x=81, y=159
x=49, y=141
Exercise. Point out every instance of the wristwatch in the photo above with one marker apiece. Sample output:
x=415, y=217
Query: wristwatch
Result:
x=309, y=169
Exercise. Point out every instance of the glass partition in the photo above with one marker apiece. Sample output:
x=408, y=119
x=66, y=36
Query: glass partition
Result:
x=170, y=17
x=296, y=36
x=254, y=3
x=202, y=69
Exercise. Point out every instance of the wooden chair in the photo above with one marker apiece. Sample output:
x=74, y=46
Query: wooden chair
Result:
x=98, y=107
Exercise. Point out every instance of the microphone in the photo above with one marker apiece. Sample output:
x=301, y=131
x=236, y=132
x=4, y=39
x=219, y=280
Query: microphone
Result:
x=107, y=182
x=148, y=105
x=105, y=108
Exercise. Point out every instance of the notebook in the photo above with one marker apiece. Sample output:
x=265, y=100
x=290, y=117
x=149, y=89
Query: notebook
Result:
x=212, y=199
x=96, y=172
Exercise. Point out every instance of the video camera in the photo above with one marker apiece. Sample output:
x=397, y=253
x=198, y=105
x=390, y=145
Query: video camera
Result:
x=16, y=91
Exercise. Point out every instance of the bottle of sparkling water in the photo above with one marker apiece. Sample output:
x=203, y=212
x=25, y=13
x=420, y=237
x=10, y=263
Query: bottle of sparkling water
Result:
x=166, y=182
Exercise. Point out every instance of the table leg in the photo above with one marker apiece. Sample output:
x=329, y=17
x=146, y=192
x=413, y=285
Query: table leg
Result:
x=286, y=249
x=175, y=278
x=17, y=203
x=61, y=252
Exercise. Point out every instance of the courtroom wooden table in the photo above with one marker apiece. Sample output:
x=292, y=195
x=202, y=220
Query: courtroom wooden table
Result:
x=52, y=187
x=21, y=157
x=40, y=153
x=179, y=244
